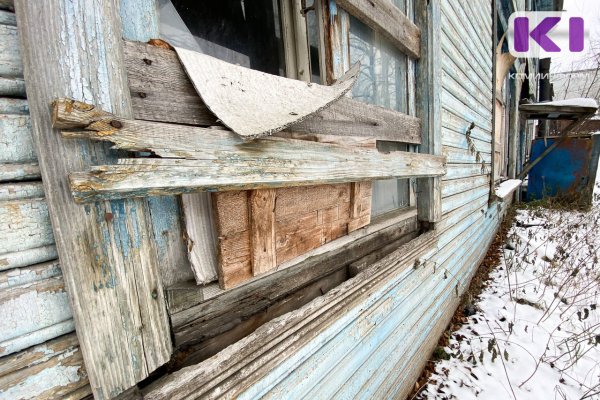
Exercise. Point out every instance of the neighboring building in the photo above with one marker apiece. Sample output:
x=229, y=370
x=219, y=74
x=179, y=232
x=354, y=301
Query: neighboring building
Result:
x=340, y=288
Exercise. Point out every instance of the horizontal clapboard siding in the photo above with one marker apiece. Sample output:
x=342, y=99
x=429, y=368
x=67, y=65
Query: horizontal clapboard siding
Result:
x=39, y=355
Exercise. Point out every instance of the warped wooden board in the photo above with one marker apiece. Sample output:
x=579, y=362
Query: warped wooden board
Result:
x=253, y=103
x=21, y=190
x=161, y=91
x=11, y=65
x=16, y=141
x=27, y=257
x=197, y=159
x=29, y=310
x=14, y=87
x=24, y=224
x=385, y=18
x=107, y=251
x=51, y=370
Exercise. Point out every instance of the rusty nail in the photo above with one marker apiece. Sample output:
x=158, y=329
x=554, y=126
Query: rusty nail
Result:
x=142, y=95
x=154, y=294
x=147, y=61
x=108, y=217
x=116, y=124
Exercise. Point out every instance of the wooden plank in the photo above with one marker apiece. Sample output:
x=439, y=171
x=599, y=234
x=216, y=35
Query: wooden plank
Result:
x=215, y=316
x=24, y=224
x=108, y=258
x=29, y=274
x=161, y=91
x=13, y=106
x=429, y=105
x=16, y=141
x=19, y=172
x=30, y=311
x=385, y=18
x=207, y=165
x=294, y=331
x=360, y=205
x=14, y=87
x=11, y=65
x=200, y=236
x=27, y=257
x=139, y=21
x=48, y=371
x=20, y=191
x=262, y=230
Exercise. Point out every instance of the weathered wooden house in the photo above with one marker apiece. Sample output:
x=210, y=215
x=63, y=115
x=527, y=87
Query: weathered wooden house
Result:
x=149, y=251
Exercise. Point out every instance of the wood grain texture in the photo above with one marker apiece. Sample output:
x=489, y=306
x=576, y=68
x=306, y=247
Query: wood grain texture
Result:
x=48, y=371
x=24, y=224
x=8, y=5
x=200, y=236
x=27, y=257
x=429, y=105
x=211, y=159
x=385, y=18
x=262, y=230
x=7, y=18
x=161, y=91
x=215, y=316
x=20, y=191
x=139, y=21
x=109, y=261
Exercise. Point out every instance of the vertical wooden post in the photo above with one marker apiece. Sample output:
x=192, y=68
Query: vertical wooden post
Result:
x=109, y=262
x=139, y=20
x=429, y=89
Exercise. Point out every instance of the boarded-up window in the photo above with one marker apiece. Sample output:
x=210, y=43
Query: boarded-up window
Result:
x=384, y=82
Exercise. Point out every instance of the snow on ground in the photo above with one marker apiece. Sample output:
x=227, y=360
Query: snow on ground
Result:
x=535, y=333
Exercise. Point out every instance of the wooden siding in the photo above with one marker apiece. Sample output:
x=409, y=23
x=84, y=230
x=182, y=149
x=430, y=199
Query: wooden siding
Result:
x=376, y=346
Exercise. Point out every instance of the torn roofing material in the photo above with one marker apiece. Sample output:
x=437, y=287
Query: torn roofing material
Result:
x=253, y=103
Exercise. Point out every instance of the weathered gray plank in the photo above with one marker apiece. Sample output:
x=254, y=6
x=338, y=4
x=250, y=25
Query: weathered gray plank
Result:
x=429, y=105
x=24, y=225
x=11, y=65
x=48, y=371
x=27, y=257
x=16, y=141
x=14, y=87
x=107, y=255
x=7, y=18
x=387, y=19
x=161, y=91
x=33, y=313
x=20, y=191
x=270, y=343
x=200, y=235
x=211, y=159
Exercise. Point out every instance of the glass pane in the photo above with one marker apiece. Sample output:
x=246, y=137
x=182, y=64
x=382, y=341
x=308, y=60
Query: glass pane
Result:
x=382, y=82
x=242, y=32
x=312, y=27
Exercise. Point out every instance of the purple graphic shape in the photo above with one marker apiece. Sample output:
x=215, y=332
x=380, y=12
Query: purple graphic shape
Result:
x=540, y=34
x=521, y=34
x=576, y=34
